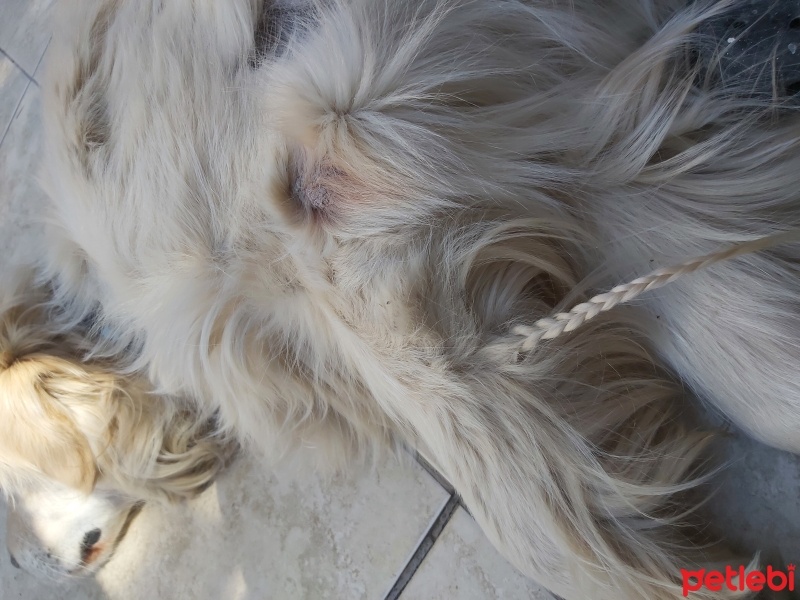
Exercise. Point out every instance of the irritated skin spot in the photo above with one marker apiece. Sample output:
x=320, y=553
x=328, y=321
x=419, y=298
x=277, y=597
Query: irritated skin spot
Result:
x=315, y=187
x=313, y=195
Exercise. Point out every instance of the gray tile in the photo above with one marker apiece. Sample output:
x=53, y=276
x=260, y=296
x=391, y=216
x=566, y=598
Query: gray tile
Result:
x=257, y=534
x=38, y=73
x=21, y=199
x=13, y=83
x=756, y=500
x=463, y=565
x=25, y=30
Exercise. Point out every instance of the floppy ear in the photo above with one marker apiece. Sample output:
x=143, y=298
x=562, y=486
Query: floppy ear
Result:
x=37, y=431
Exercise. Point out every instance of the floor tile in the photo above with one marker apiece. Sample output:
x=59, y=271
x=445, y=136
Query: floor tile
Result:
x=39, y=72
x=21, y=199
x=463, y=565
x=757, y=500
x=257, y=534
x=13, y=83
x=25, y=30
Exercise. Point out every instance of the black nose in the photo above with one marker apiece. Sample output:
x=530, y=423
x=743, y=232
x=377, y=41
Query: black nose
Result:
x=90, y=539
x=14, y=562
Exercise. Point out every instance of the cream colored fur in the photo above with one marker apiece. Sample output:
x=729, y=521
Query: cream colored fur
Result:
x=322, y=222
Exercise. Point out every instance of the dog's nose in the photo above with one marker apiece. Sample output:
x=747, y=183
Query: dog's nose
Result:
x=14, y=562
x=90, y=539
x=88, y=550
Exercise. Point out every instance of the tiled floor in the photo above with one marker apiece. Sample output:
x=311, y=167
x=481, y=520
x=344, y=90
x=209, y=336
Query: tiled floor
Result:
x=289, y=534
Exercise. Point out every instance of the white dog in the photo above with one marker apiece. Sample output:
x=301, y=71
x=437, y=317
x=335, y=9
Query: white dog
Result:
x=324, y=222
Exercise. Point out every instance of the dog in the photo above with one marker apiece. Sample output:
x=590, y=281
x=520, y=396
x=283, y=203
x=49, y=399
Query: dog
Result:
x=83, y=445
x=324, y=222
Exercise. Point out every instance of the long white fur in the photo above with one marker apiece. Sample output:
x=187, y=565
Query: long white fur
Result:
x=329, y=240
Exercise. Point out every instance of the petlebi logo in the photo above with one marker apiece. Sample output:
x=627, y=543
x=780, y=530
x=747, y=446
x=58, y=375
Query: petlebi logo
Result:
x=738, y=579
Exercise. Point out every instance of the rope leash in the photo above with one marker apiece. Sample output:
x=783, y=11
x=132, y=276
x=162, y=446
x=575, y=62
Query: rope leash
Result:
x=551, y=327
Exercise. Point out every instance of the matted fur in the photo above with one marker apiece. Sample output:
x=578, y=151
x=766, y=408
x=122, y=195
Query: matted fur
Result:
x=326, y=227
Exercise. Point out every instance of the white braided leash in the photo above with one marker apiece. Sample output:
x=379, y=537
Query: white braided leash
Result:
x=550, y=327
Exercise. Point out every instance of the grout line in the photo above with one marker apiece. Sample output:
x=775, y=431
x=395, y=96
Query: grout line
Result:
x=31, y=80
x=16, y=64
x=41, y=58
x=424, y=547
x=433, y=472
x=416, y=559
x=16, y=111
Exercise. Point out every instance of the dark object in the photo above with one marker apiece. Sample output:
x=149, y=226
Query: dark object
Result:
x=89, y=540
x=755, y=48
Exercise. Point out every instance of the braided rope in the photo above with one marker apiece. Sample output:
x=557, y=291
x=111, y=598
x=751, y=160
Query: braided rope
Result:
x=548, y=328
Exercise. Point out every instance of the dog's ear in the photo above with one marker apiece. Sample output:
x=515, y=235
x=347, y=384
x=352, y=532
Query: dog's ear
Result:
x=38, y=431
